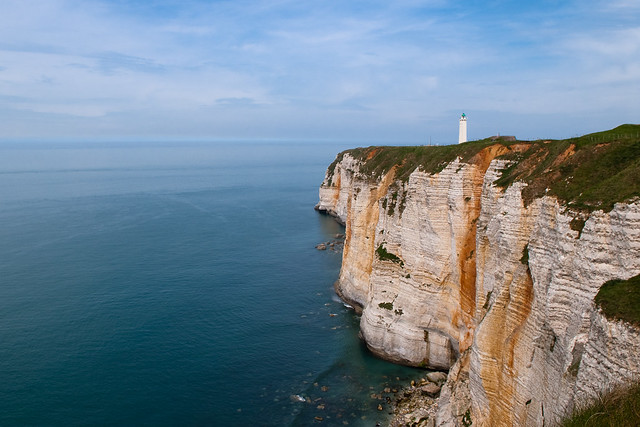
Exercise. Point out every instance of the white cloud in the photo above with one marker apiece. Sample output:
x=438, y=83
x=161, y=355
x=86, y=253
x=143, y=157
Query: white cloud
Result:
x=620, y=45
x=287, y=64
x=631, y=5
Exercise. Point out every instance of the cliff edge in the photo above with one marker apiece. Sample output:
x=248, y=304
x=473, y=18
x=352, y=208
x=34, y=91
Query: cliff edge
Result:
x=494, y=250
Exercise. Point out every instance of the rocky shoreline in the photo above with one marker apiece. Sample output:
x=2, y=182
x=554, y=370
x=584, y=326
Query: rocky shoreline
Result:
x=335, y=245
x=413, y=405
x=416, y=405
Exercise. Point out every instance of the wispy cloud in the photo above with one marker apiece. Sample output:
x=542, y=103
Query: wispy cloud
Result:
x=395, y=70
x=613, y=44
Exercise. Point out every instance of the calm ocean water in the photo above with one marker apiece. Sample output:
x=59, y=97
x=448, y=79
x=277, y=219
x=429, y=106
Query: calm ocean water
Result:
x=175, y=284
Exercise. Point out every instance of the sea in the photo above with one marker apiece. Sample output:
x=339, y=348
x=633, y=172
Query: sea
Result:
x=177, y=283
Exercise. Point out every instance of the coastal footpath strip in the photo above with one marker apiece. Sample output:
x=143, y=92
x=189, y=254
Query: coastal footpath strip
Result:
x=484, y=259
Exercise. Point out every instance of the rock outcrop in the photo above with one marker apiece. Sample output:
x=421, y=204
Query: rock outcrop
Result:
x=444, y=263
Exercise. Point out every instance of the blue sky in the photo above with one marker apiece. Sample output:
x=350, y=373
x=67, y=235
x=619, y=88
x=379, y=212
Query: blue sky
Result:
x=377, y=71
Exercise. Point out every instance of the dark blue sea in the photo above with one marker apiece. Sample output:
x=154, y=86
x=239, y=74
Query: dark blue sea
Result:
x=176, y=284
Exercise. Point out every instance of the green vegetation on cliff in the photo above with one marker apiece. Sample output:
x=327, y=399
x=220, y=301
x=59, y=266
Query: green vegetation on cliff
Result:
x=379, y=160
x=388, y=256
x=587, y=173
x=386, y=305
x=620, y=299
x=620, y=408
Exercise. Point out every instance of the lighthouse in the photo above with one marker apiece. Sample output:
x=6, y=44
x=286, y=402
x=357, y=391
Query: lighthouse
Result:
x=462, y=135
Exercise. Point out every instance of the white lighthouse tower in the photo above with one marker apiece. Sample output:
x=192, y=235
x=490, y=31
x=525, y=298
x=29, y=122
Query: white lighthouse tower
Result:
x=462, y=135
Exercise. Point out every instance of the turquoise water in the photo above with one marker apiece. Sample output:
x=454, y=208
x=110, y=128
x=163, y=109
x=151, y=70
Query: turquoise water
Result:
x=175, y=284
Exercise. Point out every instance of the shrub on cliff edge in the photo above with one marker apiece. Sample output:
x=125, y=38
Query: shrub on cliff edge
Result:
x=620, y=299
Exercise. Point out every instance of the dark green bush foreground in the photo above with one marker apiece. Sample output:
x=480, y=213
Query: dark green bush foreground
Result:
x=620, y=408
x=620, y=299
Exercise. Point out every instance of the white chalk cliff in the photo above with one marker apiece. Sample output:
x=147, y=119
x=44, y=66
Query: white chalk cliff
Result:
x=449, y=268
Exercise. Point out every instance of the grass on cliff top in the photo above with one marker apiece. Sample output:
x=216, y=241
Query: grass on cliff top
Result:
x=431, y=159
x=620, y=299
x=620, y=408
x=590, y=172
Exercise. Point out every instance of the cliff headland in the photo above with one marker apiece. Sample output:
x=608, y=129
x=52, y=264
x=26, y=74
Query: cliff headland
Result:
x=484, y=259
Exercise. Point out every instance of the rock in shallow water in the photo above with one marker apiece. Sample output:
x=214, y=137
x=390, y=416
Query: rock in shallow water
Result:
x=430, y=389
x=437, y=377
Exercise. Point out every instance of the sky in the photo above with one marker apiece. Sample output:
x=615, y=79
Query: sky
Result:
x=399, y=71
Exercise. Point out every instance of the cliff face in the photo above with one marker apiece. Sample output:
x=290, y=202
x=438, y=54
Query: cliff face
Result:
x=445, y=263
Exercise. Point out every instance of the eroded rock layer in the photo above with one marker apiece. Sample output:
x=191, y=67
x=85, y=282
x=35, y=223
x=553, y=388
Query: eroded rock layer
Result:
x=446, y=263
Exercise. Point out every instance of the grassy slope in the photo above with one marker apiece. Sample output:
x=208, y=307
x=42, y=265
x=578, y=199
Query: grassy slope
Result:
x=620, y=408
x=604, y=168
x=380, y=160
x=589, y=172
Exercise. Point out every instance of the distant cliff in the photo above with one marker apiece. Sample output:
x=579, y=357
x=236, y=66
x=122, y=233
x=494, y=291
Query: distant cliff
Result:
x=488, y=255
